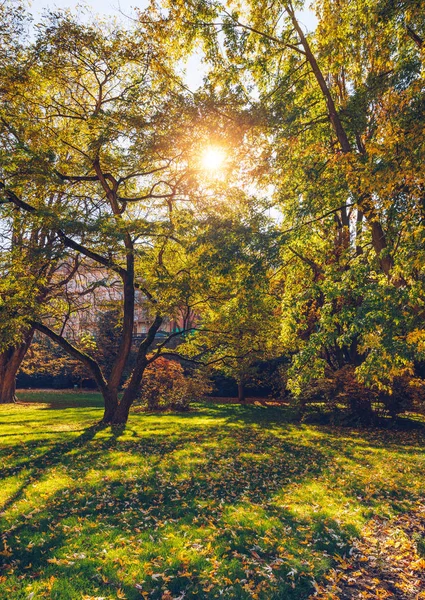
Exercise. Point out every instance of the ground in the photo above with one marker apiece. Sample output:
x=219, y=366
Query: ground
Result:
x=387, y=562
x=225, y=501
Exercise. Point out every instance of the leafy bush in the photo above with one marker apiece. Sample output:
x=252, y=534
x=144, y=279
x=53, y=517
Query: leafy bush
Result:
x=408, y=394
x=341, y=397
x=165, y=385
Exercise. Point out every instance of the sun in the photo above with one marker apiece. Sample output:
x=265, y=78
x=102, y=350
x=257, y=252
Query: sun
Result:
x=213, y=158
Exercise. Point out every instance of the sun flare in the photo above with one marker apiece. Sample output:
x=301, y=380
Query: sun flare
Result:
x=212, y=159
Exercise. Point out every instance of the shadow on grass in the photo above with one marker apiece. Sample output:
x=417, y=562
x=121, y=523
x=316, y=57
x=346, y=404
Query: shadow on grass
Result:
x=191, y=503
x=258, y=415
x=195, y=480
x=54, y=456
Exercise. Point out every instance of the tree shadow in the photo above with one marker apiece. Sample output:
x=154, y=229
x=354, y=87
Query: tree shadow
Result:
x=49, y=459
x=244, y=414
x=191, y=484
x=223, y=481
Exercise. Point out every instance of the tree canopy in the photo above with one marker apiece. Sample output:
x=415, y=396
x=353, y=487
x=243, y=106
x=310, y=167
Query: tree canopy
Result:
x=306, y=243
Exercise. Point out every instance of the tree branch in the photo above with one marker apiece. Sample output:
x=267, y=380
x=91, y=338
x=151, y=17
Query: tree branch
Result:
x=315, y=267
x=415, y=37
x=69, y=243
x=327, y=214
x=265, y=35
x=86, y=359
x=165, y=342
x=66, y=240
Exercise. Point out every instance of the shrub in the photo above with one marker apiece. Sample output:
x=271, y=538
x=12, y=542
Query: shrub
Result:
x=342, y=398
x=408, y=394
x=165, y=385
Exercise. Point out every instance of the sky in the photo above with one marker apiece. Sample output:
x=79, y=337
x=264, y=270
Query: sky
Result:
x=117, y=7
x=110, y=7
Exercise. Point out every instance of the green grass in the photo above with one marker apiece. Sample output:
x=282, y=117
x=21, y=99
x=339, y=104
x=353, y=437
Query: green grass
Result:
x=222, y=502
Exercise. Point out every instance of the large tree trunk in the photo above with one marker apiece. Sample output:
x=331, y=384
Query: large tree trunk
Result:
x=122, y=411
x=116, y=411
x=131, y=392
x=7, y=377
x=111, y=404
x=10, y=362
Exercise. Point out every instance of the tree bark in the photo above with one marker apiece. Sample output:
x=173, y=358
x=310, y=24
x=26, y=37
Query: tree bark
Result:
x=128, y=325
x=120, y=416
x=241, y=391
x=7, y=376
x=10, y=362
x=110, y=399
x=110, y=187
x=122, y=411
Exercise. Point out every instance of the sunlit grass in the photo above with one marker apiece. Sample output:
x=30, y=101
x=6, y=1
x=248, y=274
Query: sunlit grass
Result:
x=223, y=502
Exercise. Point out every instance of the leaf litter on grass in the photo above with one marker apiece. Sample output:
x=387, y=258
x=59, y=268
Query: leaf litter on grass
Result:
x=225, y=502
x=387, y=561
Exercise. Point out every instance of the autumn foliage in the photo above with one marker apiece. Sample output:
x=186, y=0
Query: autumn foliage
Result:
x=166, y=386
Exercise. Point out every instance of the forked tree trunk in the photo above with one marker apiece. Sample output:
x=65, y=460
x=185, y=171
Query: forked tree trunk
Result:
x=116, y=411
x=119, y=415
x=122, y=411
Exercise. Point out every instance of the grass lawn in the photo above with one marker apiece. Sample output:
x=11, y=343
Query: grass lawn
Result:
x=222, y=502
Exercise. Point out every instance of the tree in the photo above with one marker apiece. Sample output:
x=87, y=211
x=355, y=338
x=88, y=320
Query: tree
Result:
x=102, y=125
x=94, y=125
x=325, y=127
x=240, y=320
x=12, y=28
x=337, y=123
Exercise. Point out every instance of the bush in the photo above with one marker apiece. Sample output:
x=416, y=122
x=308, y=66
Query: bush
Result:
x=341, y=398
x=165, y=385
x=408, y=394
